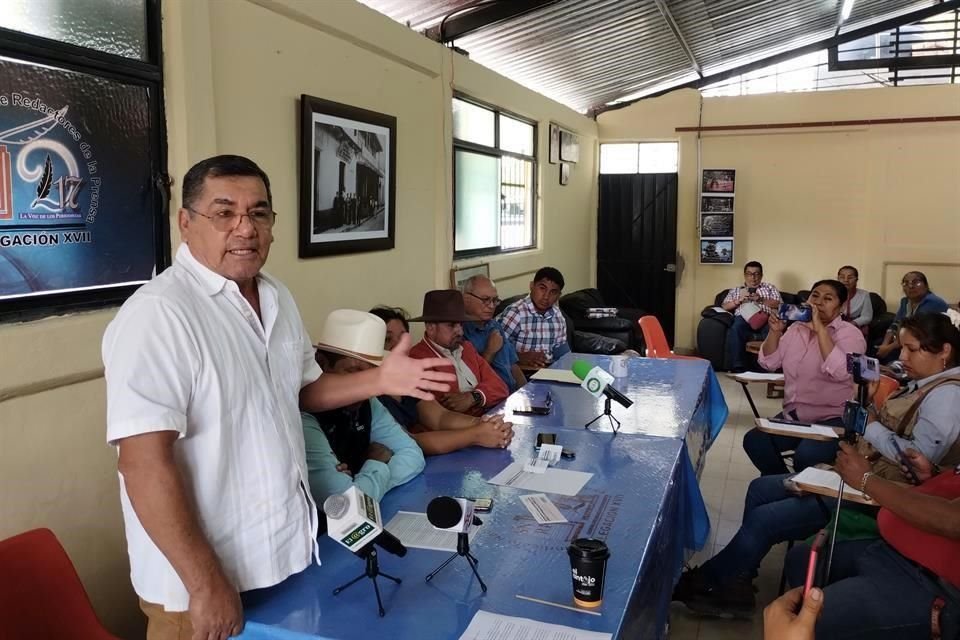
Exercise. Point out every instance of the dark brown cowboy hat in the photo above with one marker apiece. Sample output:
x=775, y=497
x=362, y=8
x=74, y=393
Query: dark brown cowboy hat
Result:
x=444, y=305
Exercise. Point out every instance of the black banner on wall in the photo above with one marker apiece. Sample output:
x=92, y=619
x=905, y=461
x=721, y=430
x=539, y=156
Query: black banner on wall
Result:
x=77, y=202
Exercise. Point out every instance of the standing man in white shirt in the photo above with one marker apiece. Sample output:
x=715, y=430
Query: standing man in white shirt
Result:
x=207, y=367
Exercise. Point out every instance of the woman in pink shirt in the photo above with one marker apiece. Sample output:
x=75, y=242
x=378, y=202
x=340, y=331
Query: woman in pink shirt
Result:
x=813, y=356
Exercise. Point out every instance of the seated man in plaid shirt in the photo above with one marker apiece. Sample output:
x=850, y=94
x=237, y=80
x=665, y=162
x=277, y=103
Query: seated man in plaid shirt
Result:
x=754, y=298
x=535, y=324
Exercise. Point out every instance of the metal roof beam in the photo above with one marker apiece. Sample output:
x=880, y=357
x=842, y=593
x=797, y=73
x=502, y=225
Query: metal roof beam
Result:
x=678, y=34
x=479, y=15
x=849, y=36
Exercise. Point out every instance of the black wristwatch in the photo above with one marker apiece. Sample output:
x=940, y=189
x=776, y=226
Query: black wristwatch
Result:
x=477, y=398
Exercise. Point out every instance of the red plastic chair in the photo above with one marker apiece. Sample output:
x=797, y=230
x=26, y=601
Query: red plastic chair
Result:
x=886, y=386
x=656, y=340
x=41, y=595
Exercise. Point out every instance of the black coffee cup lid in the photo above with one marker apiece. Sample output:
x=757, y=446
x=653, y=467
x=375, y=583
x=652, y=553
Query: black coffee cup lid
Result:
x=588, y=549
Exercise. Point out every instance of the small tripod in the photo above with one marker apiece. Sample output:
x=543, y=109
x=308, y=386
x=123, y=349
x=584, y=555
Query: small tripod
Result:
x=614, y=423
x=372, y=572
x=463, y=549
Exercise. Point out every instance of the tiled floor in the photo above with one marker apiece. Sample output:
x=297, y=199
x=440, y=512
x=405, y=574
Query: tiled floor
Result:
x=724, y=484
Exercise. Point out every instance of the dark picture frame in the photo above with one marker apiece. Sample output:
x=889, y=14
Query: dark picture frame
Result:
x=569, y=146
x=716, y=251
x=348, y=159
x=564, y=173
x=553, y=151
x=719, y=181
x=716, y=225
x=716, y=204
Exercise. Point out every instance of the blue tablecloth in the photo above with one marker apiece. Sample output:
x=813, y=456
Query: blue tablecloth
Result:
x=635, y=501
x=671, y=397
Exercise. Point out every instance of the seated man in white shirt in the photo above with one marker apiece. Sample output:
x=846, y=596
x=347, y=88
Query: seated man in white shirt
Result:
x=360, y=444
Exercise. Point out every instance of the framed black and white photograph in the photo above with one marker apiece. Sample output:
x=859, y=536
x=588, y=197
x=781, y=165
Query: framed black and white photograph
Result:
x=716, y=225
x=718, y=181
x=553, y=154
x=348, y=158
x=716, y=204
x=564, y=173
x=569, y=147
x=716, y=251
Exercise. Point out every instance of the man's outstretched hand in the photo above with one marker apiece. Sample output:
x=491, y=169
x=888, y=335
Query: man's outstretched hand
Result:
x=401, y=375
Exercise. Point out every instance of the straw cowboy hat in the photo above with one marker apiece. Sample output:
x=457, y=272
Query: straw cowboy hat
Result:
x=444, y=305
x=356, y=334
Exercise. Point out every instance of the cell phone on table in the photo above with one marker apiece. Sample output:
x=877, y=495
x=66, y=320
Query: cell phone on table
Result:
x=905, y=461
x=537, y=403
x=482, y=505
x=546, y=438
x=815, y=564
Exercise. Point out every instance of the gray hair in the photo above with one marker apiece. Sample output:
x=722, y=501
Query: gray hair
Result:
x=470, y=283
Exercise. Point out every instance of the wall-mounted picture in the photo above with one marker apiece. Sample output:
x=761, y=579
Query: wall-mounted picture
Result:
x=716, y=251
x=716, y=204
x=554, y=151
x=459, y=276
x=718, y=181
x=716, y=225
x=564, y=173
x=348, y=158
x=569, y=146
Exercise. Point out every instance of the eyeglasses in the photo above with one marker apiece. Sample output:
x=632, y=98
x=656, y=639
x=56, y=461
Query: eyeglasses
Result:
x=912, y=283
x=753, y=274
x=227, y=220
x=488, y=302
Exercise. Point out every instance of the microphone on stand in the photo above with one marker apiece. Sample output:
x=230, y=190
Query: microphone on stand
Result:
x=598, y=382
x=456, y=515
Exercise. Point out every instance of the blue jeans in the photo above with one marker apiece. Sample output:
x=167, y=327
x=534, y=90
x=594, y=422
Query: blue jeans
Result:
x=737, y=337
x=877, y=594
x=771, y=515
x=766, y=450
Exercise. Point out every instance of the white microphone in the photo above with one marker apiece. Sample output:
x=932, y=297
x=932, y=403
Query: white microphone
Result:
x=353, y=520
x=598, y=382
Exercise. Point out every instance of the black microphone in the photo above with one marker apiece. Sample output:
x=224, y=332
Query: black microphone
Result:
x=597, y=382
x=353, y=520
x=452, y=514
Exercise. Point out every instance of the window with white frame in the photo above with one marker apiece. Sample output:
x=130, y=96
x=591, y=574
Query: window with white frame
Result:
x=494, y=173
x=639, y=157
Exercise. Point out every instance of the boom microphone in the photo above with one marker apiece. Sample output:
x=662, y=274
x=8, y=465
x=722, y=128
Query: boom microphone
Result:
x=597, y=382
x=353, y=520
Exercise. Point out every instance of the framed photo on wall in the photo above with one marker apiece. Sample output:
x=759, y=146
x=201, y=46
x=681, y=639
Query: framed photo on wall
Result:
x=716, y=225
x=564, y=173
x=348, y=159
x=554, y=151
x=459, y=275
x=569, y=147
x=716, y=204
x=716, y=251
x=718, y=181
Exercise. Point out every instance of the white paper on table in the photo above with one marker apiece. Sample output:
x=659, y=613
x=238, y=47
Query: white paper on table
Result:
x=826, y=479
x=819, y=429
x=416, y=532
x=753, y=376
x=565, y=376
x=536, y=465
x=542, y=508
x=493, y=626
x=550, y=453
x=562, y=481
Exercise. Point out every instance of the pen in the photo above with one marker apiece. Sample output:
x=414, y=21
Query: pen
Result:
x=793, y=422
x=905, y=462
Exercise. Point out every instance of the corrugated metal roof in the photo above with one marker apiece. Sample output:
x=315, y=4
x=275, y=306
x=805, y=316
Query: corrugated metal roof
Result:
x=587, y=53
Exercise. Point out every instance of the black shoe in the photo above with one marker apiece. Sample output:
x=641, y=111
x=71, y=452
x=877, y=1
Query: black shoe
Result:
x=735, y=599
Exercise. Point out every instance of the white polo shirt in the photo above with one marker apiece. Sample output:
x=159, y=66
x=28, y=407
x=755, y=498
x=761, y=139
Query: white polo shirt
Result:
x=187, y=353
